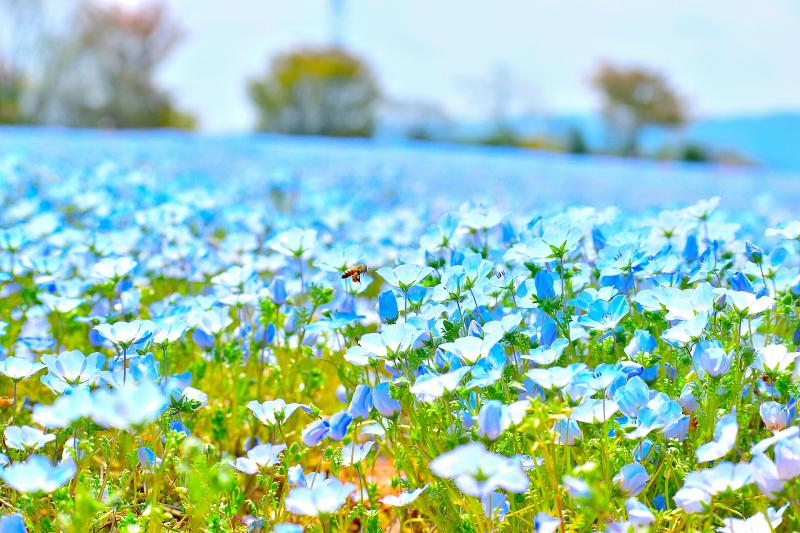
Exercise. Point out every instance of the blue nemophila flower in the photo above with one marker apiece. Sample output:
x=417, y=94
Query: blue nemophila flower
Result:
x=776, y=416
x=632, y=479
x=789, y=231
x=404, y=276
x=739, y=282
x=26, y=438
x=770, y=359
x=547, y=354
x=298, y=478
x=113, y=268
x=602, y=315
x=12, y=523
x=429, y=387
x=72, y=369
x=478, y=472
x=688, y=399
x=18, y=369
x=295, y=242
x=387, y=306
x=361, y=403
x=127, y=334
x=566, y=431
x=273, y=411
x=764, y=445
x=470, y=348
x=71, y=406
x=758, y=523
x=286, y=528
x=339, y=258
x=439, y=235
x=338, y=425
x=684, y=332
x=235, y=277
x=592, y=410
x=167, y=332
x=555, y=377
x=642, y=342
x=496, y=417
x=453, y=286
x=60, y=304
x=323, y=498
x=259, y=457
x=404, y=498
x=766, y=476
x=384, y=403
x=754, y=253
x=544, y=523
x=315, y=432
x=747, y=303
x=37, y=474
x=354, y=453
x=128, y=407
x=392, y=340
x=277, y=290
x=488, y=370
x=700, y=486
x=495, y=506
x=577, y=488
x=555, y=240
x=787, y=458
x=148, y=459
x=638, y=513
x=709, y=358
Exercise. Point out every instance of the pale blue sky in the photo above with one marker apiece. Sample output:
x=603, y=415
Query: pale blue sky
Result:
x=726, y=56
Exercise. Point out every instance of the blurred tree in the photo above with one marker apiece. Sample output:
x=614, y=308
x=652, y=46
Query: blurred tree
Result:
x=634, y=98
x=105, y=76
x=316, y=92
x=576, y=144
x=22, y=31
x=11, y=90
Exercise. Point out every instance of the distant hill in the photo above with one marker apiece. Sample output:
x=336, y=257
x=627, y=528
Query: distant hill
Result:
x=771, y=140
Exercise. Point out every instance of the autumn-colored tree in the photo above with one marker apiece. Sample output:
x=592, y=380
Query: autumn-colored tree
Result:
x=634, y=98
x=104, y=76
x=123, y=47
x=324, y=91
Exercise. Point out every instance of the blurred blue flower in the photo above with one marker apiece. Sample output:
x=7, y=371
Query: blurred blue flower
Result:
x=709, y=358
x=478, y=472
x=632, y=479
x=26, y=438
x=404, y=498
x=361, y=403
x=384, y=403
x=259, y=457
x=322, y=498
x=37, y=474
x=725, y=433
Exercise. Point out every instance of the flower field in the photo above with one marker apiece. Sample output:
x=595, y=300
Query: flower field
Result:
x=244, y=335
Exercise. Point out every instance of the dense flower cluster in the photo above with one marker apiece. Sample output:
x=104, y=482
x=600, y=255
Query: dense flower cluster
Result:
x=191, y=357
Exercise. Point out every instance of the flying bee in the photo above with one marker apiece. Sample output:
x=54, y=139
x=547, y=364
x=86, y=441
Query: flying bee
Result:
x=355, y=272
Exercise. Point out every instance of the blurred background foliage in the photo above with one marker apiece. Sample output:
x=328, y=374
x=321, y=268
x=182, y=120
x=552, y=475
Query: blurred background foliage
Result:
x=99, y=69
x=324, y=91
x=99, y=72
